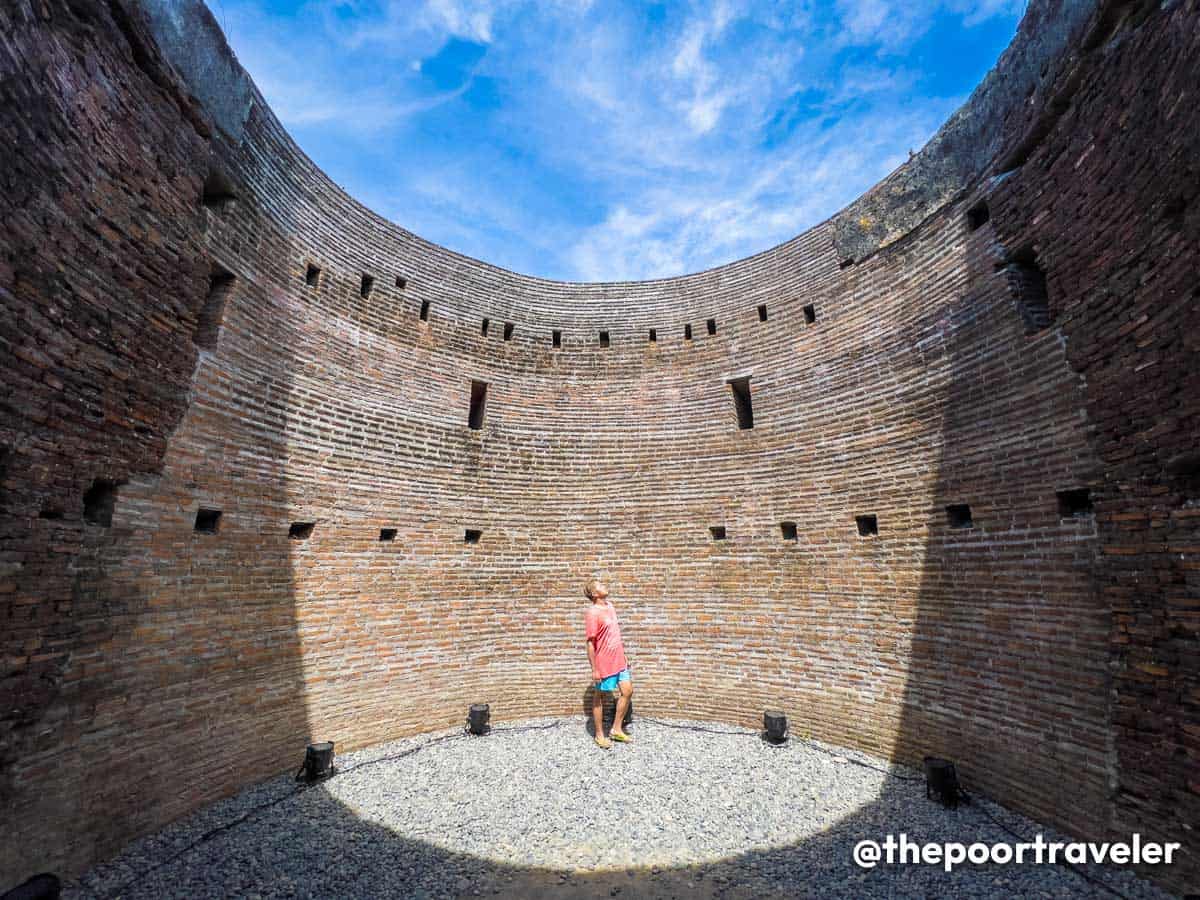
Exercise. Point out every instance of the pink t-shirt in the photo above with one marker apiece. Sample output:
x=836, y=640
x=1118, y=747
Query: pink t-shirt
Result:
x=602, y=628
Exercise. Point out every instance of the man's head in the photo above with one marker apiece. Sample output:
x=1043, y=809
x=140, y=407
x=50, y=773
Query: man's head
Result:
x=595, y=590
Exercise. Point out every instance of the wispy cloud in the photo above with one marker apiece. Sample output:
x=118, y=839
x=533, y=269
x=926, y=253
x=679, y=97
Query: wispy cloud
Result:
x=593, y=141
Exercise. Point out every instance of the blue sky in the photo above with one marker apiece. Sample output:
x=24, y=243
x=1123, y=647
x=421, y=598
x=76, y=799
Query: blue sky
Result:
x=594, y=140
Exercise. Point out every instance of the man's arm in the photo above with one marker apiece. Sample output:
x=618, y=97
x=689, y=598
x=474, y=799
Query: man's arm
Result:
x=591, y=645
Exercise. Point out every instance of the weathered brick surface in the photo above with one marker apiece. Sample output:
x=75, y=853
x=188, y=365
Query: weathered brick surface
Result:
x=1054, y=658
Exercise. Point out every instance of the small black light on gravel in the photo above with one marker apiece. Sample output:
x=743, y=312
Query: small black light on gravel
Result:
x=45, y=886
x=775, y=726
x=318, y=762
x=941, y=783
x=477, y=719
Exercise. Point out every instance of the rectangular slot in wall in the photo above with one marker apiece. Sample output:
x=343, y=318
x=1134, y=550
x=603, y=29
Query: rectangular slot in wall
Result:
x=978, y=216
x=959, y=515
x=711, y=325
x=1075, y=503
x=741, y=402
x=508, y=331
x=424, y=310
x=312, y=274
x=1027, y=282
x=604, y=339
x=208, y=521
x=301, y=531
x=218, y=191
x=212, y=314
x=762, y=312
x=556, y=339
x=717, y=532
x=687, y=332
x=653, y=336
x=478, y=401
x=810, y=314
x=364, y=288
x=387, y=534
x=99, y=501
x=788, y=530
x=868, y=526
x=472, y=536
x=401, y=282
x=483, y=327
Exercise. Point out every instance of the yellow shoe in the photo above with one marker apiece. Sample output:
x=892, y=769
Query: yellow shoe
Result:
x=621, y=737
x=603, y=743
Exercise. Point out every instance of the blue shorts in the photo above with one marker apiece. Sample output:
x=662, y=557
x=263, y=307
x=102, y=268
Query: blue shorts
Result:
x=610, y=683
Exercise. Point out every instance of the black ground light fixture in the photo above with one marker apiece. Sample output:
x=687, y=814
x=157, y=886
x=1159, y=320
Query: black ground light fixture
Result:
x=318, y=762
x=40, y=887
x=941, y=783
x=775, y=726
x=477, y=719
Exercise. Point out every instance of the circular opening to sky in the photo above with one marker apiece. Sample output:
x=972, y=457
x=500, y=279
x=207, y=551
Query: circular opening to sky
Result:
x=586, y=141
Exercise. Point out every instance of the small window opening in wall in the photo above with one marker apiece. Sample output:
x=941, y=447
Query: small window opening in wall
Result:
x=711, y=325
x=207, y=520
x=472, y=536
x=846, y=263
x=959, y=515
x=401, y=282
x=810, y=314
x=717, y=532
x=978, y=216
x=762, y=312
x=687, y=332
x=212, y=314
x=508, y=331
x=478, y=401
x=604, y=342
x=483, y=327
x=868, y=526
x=301, y=531
x=51, y=512
x=424, y=310
x=99, y=501
x=1075, y=503
x=741, y=402
x=218, y=191
x=653, y=335
x=387, y=534
x=788, y=529
x=312, y=274
x=556, y=338
x=364, y=289
x=1027, y=282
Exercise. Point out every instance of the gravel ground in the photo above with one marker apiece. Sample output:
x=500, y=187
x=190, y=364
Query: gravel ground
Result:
x=540, y=811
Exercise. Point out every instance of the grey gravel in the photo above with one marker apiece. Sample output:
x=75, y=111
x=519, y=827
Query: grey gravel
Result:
x=543, y=812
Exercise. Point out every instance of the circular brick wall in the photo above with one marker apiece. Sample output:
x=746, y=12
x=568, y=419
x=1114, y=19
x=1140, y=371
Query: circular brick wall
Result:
x=908, y=567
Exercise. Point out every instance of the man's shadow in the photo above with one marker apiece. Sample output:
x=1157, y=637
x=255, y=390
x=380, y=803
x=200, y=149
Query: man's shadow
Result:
x=610, y=709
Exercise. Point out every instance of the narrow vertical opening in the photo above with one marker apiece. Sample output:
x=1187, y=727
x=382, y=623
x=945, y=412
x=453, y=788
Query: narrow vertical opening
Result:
x=959, y=515
x=556, y=339
x=868, y=526
x=604, y=339
x=762, y=312
x=364, y=288
x=478, y=401
x=301, y=531
x=810, y=314
x=687, y=332
x=483, y=327
x=424, y=310
x=741, y=402
x=711, y=325
x=978, y=216
x=1075, y=503
x=208, y=521
x=508, y=331
x=312, y=274
x=212, y=314
x=99, y=501
x=788, y=530
x=653, y=335
x=1027, y=282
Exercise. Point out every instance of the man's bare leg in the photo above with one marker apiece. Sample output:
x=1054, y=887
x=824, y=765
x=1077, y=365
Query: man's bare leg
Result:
x=598, y=713
x=626, y=691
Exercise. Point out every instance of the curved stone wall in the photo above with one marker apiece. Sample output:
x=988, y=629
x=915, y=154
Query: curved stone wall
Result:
x=1001, y=341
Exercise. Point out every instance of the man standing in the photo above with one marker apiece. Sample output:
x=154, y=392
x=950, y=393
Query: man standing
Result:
x=606, y=653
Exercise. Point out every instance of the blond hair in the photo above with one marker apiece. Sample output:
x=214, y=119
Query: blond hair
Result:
x=589, y=589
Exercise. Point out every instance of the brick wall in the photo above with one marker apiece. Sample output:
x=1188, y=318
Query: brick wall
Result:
x=1053, y=655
